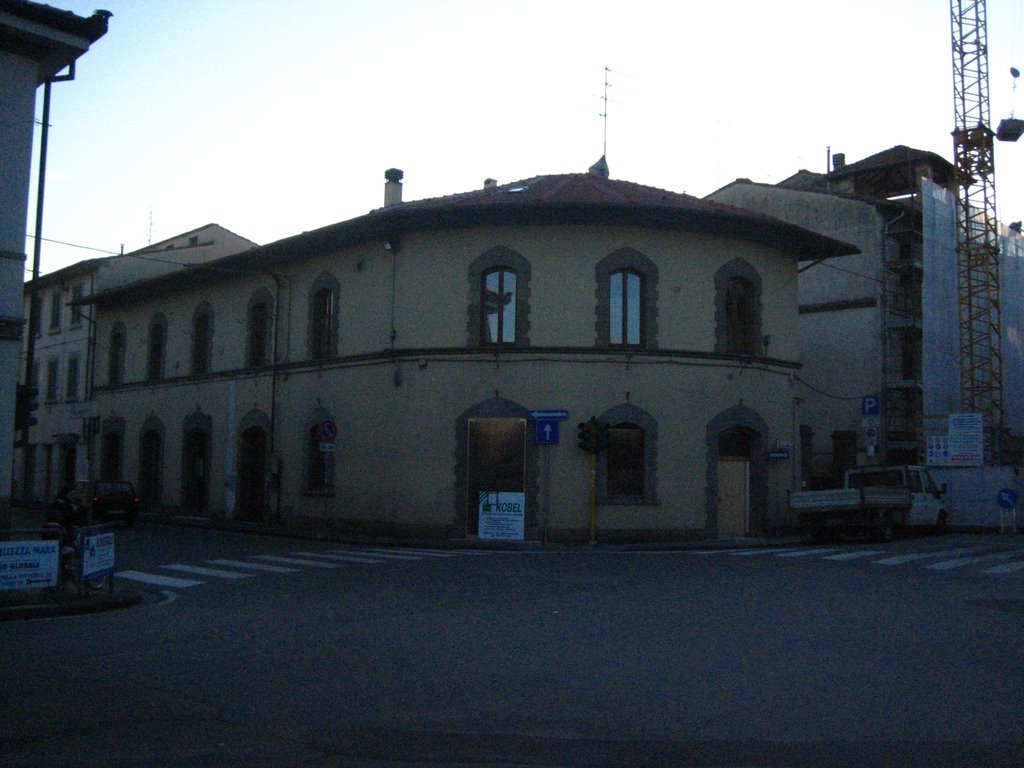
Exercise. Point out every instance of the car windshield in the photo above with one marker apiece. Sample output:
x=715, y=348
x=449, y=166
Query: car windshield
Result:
x=112, y=488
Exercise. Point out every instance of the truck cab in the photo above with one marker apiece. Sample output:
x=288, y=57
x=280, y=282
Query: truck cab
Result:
x=928, y=499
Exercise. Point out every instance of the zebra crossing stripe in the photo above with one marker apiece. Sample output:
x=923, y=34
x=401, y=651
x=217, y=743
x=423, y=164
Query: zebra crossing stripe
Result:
x=948, y=565
x=157, y=580
x=342, y=558
x=429, y=552
x=1005, y=568
x=712, y=551
x=200, y=571
x=386, y=554
x=253, y=566
x=853, y=555
x=752, y=552
x=806, y=552
x=902, y=559
x=296, y=561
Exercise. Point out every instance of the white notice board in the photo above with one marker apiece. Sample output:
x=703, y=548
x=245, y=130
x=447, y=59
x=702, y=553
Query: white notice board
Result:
x=502, y=515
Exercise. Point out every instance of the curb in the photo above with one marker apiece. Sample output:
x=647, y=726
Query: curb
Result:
x=60, y=604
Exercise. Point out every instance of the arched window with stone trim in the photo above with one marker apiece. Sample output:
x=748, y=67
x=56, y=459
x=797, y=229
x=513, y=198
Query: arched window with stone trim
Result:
x=627, y=470
x=202, y=339
x=259, y=321
x=323, y=318
x=626, y=301
x=499, y=299
x=738, y=289
x=156, y=348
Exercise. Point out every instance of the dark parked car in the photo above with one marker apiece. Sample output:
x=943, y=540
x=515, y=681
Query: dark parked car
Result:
x=108, y=500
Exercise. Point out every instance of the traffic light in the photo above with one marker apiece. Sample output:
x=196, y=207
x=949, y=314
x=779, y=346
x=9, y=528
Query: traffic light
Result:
x=26, y=401
x=585, y=436
x=592, y=436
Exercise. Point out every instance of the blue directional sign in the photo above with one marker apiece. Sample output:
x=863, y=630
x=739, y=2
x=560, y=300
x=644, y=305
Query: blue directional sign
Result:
x=547, y=432
x=556, y=414
x=1007, y=498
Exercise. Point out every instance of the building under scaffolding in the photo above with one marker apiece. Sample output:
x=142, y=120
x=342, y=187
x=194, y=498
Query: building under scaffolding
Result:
x=880, y=328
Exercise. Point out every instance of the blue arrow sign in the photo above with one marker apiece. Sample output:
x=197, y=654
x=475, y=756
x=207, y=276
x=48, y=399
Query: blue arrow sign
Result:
x=1007, y=498
x=547, y=432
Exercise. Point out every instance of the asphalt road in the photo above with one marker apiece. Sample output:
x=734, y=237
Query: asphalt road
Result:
x=899, y=654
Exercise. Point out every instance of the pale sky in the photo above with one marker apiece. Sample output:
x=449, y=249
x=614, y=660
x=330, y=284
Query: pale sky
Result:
x=271, y=117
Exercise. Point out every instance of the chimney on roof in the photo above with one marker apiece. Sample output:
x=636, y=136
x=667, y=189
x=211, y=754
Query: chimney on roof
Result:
x=488, y=183
x=600, y=168
x=838, y=161
x=393, y=186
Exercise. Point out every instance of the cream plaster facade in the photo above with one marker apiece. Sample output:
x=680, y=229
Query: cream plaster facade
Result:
x=61, y=446
x=408, y=373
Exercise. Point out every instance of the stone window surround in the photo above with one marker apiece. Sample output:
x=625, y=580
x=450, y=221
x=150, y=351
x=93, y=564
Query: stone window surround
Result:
x=738, y=267
x=499, y=257
x=325, y=280
x=628, y=413
x=627, y=259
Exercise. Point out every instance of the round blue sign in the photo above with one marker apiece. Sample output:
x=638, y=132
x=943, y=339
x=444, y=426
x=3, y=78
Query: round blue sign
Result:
x=1007, y=498
x=328, y=430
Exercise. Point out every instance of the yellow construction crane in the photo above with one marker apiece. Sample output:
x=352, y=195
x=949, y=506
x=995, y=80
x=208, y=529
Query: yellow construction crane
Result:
x=977, y=239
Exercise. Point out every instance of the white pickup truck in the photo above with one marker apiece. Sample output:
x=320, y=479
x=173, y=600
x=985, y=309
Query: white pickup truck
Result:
x=875, y=500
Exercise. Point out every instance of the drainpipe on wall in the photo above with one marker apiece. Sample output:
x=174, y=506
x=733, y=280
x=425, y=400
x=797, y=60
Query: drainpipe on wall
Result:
x=275, y=461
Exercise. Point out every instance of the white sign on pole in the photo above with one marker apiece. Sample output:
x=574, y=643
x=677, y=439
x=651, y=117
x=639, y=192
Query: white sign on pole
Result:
x=98, y=555
x=502, y=515
x=962, y=446
x=29, y=564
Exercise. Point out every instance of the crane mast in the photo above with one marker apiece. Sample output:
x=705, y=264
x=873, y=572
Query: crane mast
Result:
x=977, y=233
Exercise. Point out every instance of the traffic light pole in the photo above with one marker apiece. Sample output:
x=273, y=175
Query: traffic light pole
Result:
x=593, y=498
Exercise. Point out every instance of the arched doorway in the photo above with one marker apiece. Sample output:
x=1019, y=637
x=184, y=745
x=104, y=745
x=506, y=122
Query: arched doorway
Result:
x=252, y=473
x=496, y=463
x=493, y=456
x=195, y=470
x=737, y=474
x=735, y=448
x=110, y=456
x=150, y=469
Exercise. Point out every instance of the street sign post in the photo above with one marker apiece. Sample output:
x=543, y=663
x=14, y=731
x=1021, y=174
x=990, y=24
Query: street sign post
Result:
x=547, y=432
x=1007, y=498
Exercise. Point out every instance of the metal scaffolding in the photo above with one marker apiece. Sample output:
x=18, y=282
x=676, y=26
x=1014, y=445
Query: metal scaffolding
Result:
x=977, y=240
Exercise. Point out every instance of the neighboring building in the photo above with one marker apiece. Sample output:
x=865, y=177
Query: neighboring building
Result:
x=861, y=315
x=424, y=333
x=884, y=323
x=36, y=43
x=61, y=446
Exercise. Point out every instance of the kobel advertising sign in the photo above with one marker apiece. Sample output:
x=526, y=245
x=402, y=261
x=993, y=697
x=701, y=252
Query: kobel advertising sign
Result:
x=502, y=515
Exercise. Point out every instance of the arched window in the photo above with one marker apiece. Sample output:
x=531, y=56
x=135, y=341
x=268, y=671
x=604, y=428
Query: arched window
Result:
x=498, y=300
x=738, y=309
x=319, y=462
x=115, y=362
x=111, y=449
x=740, y=316
x=202, y=340
x=627, y=470
x=323, y=321
x=625, y=297
x=258, y=331
x=626, y=300
x=625, y=460
x=156, y=347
